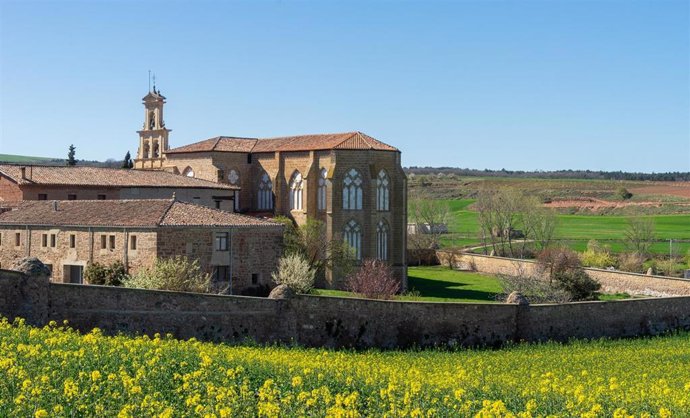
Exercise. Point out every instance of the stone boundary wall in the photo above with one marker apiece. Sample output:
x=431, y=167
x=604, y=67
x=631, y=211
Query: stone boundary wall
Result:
x=319, y=321
x=611, y=281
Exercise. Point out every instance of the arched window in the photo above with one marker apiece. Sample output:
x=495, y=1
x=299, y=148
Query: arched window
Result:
x=382, y=191
x=352, y=190
x=352, y=234
x=233, y=177
x=323, y=188
x=265, y=192
x=382, y=240
x=296, y=186
x=188, y=172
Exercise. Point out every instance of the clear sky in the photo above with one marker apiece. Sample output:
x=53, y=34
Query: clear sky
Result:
x=481, y=84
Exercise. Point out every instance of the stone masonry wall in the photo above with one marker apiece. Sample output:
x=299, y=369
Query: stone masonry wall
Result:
x=332, y=322
x=611, y=281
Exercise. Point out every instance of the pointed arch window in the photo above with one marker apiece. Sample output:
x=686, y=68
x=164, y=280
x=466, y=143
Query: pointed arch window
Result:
x=296, y=191
x=383, y=191
x=352, y=190
x=352, y=235
x=188, y=172
x=265, y=192
x=323, y=188
x=382, y=240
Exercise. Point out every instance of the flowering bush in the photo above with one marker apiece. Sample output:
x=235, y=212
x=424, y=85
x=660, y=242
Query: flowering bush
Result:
x=373, y=280
x=178, y=273
x=294, y=272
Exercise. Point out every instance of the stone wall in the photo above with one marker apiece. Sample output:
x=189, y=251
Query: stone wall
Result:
x=611, y=281
x=331, y=322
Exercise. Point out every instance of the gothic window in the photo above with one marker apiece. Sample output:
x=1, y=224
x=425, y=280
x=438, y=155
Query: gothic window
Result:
x=382, y=240
x=323, y=188
x=352, y=190
x=296, y=186
x=352, y=235
x=233, y=177
x=265, y=192
x=382, y=191
x=188, y=172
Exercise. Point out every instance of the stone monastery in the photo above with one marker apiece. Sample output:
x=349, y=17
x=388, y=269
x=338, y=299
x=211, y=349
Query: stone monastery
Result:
x=352, y=182
x=180, y=201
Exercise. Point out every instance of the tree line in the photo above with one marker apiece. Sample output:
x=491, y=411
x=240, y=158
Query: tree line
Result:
x=558, y=174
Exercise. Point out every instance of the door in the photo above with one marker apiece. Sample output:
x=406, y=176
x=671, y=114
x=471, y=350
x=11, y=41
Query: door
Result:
x=75, y=274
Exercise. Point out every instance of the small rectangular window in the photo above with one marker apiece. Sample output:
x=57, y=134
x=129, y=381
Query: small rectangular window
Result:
x=133, y=242
x=221, y=176
x=220, y=274
x=112, y=242
x=221, y=241
x=249, y=158
x=18, y=239
x=42, y=196
x=255, y=278
x=72, y=241
x=53, y=240
x=101, y=197
x=0, y=238
x=217, y=204
x=103, y=242
x=71, y=197
x=44, y=240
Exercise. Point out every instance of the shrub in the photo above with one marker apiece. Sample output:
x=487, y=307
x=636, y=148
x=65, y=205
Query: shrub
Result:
x=632, y=262
x=623, y=193
x=294, y=272
x=178, y=273
x=596, y=256
x=373, y=280
x=107, y=275
x=565, y=271
x=533, y=288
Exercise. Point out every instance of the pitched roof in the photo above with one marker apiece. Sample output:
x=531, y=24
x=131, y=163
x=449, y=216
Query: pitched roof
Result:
x=347, y=140
x=125, y=213
x=104, y=177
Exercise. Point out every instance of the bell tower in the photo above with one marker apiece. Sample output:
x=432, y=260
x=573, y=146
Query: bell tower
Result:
x=153, y=137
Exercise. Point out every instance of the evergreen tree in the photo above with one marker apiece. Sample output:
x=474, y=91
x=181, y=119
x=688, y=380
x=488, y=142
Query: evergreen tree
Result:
x=70, y=156
x=127, y=162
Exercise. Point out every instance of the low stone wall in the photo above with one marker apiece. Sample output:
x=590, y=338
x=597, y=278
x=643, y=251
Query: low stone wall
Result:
x=318, y=321
x=611, y=281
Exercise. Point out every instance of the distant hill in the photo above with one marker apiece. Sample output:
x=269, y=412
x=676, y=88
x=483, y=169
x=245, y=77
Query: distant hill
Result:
x=23, y=159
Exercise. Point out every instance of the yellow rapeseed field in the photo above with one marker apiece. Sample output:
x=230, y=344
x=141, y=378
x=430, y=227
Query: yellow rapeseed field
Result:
x=56, y=372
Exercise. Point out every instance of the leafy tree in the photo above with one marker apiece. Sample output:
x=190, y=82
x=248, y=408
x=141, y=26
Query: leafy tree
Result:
x=70, y=155
x=311, y=242
x=295, y=272
x=127, y=162
x=564, y=270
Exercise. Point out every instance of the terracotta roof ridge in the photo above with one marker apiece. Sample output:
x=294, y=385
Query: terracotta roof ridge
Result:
x=165, y=212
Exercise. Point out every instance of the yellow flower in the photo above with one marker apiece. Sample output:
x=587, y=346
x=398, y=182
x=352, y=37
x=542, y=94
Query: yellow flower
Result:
x=41, y=413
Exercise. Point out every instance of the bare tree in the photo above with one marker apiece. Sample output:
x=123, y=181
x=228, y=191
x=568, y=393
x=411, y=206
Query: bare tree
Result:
x=639, y=234
x=431, y=216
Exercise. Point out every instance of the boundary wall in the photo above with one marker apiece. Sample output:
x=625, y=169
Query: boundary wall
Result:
x=318, y=321
x=612, y=281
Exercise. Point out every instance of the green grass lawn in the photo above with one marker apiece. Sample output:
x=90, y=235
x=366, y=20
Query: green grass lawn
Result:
x=440, y=284
x=8, y=158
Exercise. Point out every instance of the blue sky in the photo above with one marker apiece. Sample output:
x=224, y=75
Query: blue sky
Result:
x=481, y=84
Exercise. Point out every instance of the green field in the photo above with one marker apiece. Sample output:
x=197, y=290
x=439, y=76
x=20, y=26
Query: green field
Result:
x=20, y=159
x=58, y=372
x=576, y=230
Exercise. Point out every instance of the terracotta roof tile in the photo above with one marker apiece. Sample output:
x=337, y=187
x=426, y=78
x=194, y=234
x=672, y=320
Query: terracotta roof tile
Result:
x=125, y=213
x=347, y=140
x=108, y=177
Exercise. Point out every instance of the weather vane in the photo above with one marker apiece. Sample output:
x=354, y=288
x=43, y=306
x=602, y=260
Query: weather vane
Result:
x=149, y=80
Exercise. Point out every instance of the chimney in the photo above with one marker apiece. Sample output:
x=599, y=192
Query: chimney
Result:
x=23, y=170
x=55, y=205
